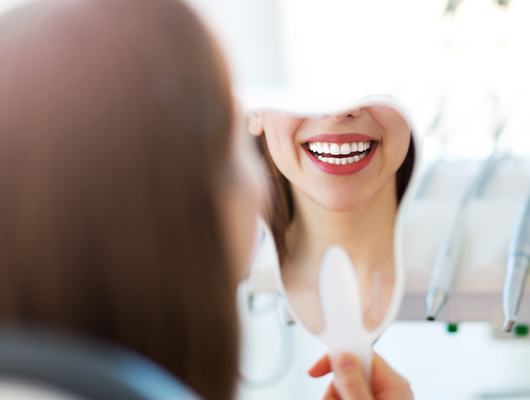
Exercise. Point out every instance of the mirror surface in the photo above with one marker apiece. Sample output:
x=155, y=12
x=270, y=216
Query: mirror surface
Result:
x=336, y=179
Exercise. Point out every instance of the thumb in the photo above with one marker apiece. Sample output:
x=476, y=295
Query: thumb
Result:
x=350, y=382
x=387, y=383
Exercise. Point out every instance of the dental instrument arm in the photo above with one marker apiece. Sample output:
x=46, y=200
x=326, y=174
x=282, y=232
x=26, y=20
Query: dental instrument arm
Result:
x=517, y=268
x=445, y=266
x=447, y=259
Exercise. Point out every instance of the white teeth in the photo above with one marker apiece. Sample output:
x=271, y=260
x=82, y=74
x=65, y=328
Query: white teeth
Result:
x=338, y=148
x=363, y=146
x=345, y=148
x=326, y=148
x=341, y=160
x=334, y=149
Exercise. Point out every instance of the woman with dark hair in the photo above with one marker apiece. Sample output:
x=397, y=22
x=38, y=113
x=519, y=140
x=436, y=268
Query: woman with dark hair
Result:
x=128, y=202
x=119, y=173
x=336, y=179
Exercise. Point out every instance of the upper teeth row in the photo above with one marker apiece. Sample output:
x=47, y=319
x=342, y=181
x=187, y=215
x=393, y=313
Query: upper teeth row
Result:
x=338, y=148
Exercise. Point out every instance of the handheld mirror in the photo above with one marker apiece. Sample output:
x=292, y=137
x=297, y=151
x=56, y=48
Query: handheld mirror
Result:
x=338, y=182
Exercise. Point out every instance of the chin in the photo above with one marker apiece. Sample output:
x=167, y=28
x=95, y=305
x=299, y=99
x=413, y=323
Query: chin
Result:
x=341, y=203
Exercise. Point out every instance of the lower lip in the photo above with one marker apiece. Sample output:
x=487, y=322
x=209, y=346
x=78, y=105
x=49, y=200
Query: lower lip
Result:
x=343, y=169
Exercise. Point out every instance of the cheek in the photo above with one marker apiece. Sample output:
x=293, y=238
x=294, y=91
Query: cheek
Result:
x=396, y=148
x=280, y=135
x=283, y=153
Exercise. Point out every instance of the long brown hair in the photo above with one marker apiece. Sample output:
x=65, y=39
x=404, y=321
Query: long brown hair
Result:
x=115, y=121
x=280, y=210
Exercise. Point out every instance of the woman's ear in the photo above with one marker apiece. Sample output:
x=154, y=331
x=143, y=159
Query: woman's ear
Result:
x=255, y=124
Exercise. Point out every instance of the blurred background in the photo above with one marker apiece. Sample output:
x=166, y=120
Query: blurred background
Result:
x=472, y=55
x=461, y=68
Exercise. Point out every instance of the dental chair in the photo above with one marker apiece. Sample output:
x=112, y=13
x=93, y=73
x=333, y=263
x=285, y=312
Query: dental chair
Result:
x=40, y=365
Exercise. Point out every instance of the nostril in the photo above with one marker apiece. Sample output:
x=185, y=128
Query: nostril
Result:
x=352, y=113
x=355, y=113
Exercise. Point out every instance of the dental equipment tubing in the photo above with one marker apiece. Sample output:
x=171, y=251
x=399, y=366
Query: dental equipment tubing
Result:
x=517, y=268
x=447, y=259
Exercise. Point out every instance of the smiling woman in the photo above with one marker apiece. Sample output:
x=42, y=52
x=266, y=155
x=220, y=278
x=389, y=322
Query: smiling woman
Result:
x=336, y=179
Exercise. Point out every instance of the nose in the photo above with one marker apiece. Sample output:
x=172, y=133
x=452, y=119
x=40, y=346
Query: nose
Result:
x=352, y=113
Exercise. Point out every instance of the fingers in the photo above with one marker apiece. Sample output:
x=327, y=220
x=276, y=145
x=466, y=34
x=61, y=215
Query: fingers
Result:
x=321, y=367
x=382, y=372
x=350, y=382
x=331, y=393
x=387, y=383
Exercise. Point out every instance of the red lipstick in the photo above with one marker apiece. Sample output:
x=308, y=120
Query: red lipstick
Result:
x=347, y=166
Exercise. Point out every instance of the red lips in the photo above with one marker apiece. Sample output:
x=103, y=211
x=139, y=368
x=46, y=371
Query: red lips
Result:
x=345, y=169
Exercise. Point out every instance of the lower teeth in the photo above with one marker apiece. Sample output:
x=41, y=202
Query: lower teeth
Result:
x=342, y=160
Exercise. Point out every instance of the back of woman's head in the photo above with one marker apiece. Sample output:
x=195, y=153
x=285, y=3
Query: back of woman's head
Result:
x=114, y=135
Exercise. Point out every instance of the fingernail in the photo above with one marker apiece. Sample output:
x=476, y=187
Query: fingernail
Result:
x=346, y=363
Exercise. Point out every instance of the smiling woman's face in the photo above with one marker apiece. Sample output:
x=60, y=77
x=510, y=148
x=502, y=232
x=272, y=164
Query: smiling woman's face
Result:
x=342, y=160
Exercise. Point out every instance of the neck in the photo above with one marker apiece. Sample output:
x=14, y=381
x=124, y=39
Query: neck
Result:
x=366, y=232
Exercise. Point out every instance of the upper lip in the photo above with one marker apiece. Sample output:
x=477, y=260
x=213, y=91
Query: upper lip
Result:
x=340, y=138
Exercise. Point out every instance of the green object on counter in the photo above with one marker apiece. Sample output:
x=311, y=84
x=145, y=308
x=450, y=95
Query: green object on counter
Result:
x=452, y=328
x=520, y=330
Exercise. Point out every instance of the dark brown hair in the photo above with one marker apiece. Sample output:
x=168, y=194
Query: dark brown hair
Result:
x=280, y=211
x=115, y=121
